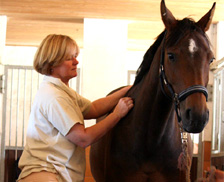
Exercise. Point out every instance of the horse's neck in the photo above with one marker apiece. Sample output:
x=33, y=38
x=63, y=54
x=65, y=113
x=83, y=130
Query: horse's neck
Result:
x=153, y=110
x=150, y=96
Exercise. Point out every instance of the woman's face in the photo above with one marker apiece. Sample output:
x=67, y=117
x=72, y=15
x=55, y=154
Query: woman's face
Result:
x=68, y=68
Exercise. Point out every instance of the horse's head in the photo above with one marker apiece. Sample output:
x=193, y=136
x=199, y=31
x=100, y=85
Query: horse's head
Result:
x=186, y=55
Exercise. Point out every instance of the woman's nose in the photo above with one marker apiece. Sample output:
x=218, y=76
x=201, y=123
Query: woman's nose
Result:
x=75, y=61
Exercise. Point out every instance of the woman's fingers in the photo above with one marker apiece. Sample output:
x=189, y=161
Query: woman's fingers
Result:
x=123, y=106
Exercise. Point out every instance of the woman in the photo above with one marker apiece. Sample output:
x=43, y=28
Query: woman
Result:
x=56, y=136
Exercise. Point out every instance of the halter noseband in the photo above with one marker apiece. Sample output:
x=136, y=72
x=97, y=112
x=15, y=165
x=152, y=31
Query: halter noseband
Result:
x=177, y=98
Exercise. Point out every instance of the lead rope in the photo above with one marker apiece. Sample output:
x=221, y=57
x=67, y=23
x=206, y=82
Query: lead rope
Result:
x=184, y=161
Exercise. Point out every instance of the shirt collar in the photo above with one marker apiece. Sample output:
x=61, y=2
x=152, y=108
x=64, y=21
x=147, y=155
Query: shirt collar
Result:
x=58, y=83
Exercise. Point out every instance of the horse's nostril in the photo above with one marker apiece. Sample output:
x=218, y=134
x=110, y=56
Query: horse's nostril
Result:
x=195, y=118
x=188, y=114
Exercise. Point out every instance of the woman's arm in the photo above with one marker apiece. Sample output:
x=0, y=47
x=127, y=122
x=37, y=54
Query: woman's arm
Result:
x=84, y=137
x=106, y=104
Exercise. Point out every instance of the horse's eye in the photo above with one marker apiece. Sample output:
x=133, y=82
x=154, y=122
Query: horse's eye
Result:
x=171, y=56
x=211, y=60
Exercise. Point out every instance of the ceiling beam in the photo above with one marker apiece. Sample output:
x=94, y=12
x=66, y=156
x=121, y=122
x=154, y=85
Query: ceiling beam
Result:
x=147, y=10
x=29, y=32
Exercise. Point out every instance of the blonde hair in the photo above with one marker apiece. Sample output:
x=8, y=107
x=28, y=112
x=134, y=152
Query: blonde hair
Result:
x=53, y=50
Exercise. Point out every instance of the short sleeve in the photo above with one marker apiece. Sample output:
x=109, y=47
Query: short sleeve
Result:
x=83, y=103
x=63, y=114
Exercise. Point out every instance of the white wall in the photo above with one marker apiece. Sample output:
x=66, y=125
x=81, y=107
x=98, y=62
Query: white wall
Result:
x=106, y=61
x=103, y=68
x=220, y=40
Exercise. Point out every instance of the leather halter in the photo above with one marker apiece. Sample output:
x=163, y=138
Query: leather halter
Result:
x=177, y=98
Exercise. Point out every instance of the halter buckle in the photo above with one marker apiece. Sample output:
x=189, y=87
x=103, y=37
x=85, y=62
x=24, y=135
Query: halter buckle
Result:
x=176, y=99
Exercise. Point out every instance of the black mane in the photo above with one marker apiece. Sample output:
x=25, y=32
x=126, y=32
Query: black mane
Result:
x=182, y=28
x=147, y=59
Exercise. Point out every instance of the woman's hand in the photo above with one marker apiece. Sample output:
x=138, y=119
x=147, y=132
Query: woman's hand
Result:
x=104, y=105
x=123, y=107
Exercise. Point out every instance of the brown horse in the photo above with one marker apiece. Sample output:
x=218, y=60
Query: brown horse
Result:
x=170, y=88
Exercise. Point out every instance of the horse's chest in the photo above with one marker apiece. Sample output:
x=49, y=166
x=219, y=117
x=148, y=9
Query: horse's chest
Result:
x=143, y=175
x=140, y=168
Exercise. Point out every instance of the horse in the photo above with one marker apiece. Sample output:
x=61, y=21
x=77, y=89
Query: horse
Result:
x=170, y=97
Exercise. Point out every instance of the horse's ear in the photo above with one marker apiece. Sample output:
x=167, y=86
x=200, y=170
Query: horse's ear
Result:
x=168, y=19
x=206, y=20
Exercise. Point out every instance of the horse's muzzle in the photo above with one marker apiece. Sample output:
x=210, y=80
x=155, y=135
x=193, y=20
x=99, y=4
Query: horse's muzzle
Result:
x=194, y=120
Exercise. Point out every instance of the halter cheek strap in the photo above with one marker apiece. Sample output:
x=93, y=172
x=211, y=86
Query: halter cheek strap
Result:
x=177, y=98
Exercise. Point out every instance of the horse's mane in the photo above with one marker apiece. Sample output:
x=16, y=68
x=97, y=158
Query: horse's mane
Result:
x=147, y=59
x=182, y=28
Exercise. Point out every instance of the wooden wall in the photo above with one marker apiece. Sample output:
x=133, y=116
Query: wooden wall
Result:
x=11, y=169
x=218, y=162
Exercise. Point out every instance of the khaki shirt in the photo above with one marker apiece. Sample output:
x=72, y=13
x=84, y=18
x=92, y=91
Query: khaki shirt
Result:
x=56, y=109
